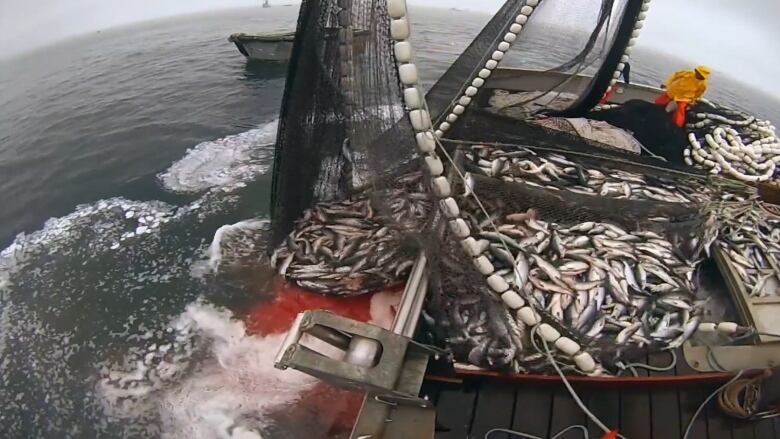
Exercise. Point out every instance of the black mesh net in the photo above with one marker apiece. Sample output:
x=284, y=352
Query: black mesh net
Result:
x=342, y=121
x=454, y=81
x=602, y=244
x=579, y=43
x=568, y=37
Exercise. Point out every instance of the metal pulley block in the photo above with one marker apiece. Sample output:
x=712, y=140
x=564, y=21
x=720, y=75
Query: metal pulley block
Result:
x=366, y=357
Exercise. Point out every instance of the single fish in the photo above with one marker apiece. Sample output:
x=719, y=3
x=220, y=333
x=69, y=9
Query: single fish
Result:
x=597, y=327
x=521, y=270
x=627, y=332
x=551, y=272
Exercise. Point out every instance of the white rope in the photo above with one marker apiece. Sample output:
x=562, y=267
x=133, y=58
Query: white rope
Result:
x=573, y=394
x=703, y=404
x=750, y=153
x=581, y=427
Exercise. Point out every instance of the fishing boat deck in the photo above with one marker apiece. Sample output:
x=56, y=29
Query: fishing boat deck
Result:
x=662, y=411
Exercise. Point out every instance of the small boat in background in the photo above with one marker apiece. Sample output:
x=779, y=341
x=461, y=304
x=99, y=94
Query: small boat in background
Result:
x=277, y=46
x=266, y=46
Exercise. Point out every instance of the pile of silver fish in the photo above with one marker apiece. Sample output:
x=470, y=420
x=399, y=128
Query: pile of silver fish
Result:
x=355, y=246
x=476, y=326
x=556, y=172
x=749, y=238
x=613, y=289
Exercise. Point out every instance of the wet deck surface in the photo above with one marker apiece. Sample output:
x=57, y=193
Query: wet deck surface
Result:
x=662, y=412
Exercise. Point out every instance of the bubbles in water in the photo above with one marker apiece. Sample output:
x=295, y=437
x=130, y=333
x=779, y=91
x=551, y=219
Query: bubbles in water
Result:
x=237, y=241
x=106, y=224
x=223, y=162
x=233, y=392
x=91, y=288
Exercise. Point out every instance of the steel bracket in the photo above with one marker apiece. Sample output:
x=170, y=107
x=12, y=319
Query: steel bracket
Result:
x=376, y=368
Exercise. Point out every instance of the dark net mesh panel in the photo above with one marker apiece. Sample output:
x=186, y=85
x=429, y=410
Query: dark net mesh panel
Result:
x=567, y=36
x=342, y=121
x=454, y=80
x=570, y=37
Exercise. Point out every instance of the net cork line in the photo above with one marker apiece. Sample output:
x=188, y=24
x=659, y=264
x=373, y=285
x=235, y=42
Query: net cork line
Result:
x=427, y=139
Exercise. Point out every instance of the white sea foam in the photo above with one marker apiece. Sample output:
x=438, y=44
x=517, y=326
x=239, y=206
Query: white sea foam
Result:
x=229, y=394
x=210, y=379
x=111, y=224
x=223, y=162
x=232, y=236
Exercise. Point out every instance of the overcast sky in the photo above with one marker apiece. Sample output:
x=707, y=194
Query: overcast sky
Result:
x=740, y=38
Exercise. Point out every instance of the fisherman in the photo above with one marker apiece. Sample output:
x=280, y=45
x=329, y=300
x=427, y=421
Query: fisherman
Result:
x=625, y=73
x=683, y=89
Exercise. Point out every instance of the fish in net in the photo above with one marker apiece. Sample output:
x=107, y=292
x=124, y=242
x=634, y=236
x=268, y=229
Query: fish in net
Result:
x=539, y=235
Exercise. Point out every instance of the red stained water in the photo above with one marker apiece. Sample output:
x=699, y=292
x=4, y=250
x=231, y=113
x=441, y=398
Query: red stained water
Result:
x=276, y=316
x=336, y=408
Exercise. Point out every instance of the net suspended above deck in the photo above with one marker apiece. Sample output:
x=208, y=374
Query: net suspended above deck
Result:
x=352, y=206
x=342, y=120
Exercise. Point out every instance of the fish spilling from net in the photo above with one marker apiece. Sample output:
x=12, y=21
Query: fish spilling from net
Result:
x=479, y=330
x=352, y=247
x=556, y=172
x=749, y=238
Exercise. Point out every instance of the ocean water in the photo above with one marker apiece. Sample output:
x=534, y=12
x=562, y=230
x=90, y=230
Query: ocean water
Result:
x=134, y=176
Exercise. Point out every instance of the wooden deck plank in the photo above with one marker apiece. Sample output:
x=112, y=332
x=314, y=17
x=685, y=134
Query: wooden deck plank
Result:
x=690, y=397
x=742, y=429
x=533, y=407
x=454, y=412
x=565, y=413
x=664, y=403
x=718, y=426
x=635, y=413
x=494, y=409
x=605, y=404
x=764, y=429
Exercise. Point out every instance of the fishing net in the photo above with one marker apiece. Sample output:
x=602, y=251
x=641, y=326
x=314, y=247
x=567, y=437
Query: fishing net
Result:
x=589, y=29
x=569, y=38
x=342, y=121
x=579, y=251
x=607, y=242
x=342, y=124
